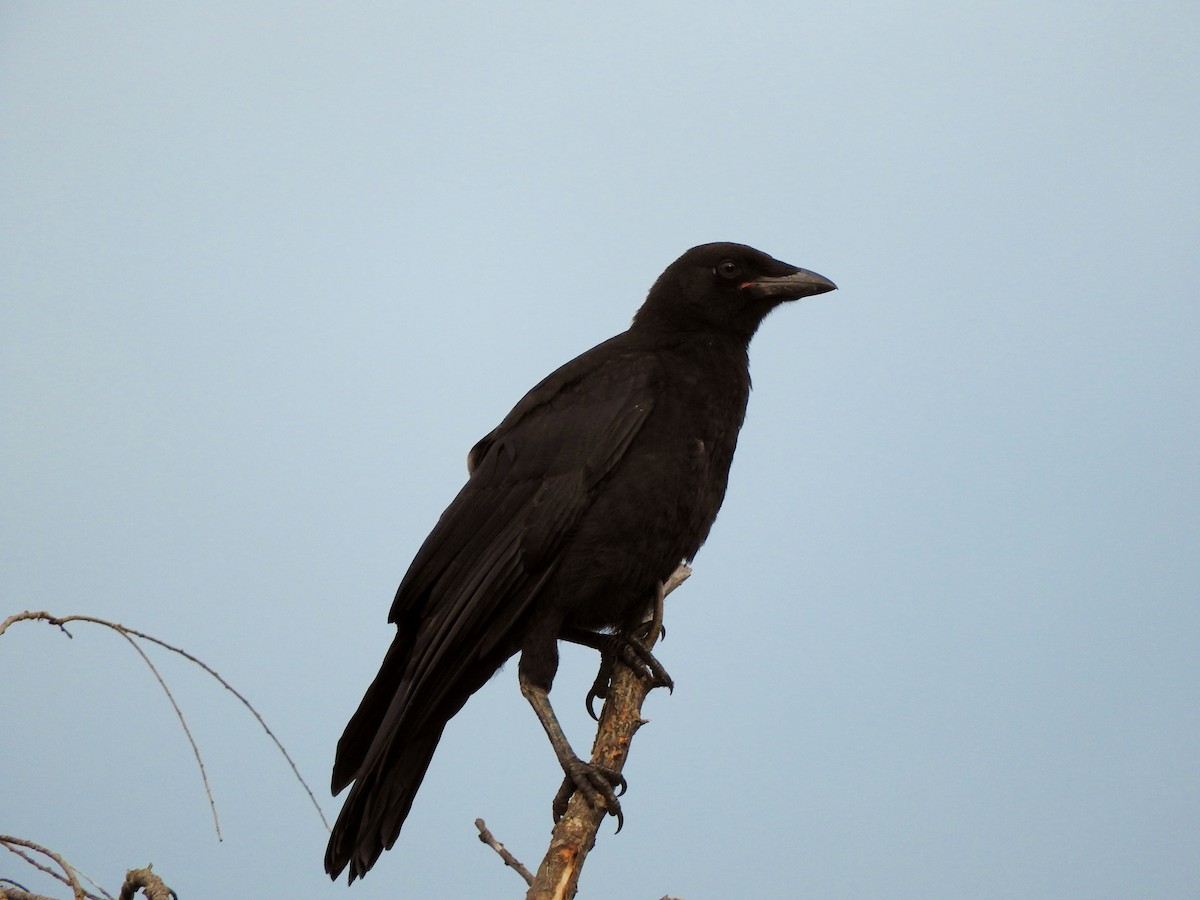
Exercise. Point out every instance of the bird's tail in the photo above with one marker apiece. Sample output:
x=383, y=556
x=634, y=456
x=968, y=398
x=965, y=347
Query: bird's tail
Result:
x=376, y=808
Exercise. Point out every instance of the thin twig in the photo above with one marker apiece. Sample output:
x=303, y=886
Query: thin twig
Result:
x=212, y=804
x=92, y=881
x=246, y=703
x=509, y=860
x=122, y=629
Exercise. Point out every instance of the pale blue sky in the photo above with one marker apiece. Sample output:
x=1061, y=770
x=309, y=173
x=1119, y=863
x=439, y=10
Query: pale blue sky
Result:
x=269, y=270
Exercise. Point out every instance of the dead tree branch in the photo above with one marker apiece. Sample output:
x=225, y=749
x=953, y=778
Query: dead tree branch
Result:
x=509, y=860
x=69, y=875
x=16, y=892
x=575, y=833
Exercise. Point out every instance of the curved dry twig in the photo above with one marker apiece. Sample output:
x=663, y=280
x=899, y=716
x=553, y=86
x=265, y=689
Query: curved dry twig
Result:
x=212, y=804
x=128, y=634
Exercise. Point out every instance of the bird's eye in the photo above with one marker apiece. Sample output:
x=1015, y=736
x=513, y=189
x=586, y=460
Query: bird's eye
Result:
x=727, y=268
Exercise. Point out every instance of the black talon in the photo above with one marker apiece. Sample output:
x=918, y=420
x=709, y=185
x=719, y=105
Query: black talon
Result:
x=599, y=688
x=596, y=693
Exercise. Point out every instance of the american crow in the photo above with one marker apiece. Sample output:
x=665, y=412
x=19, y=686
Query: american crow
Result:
x=601, y=480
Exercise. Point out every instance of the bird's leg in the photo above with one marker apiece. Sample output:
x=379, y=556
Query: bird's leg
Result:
x=599, y=785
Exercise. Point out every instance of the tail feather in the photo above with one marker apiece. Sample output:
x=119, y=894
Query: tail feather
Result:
x=376, y=808
x=363, y=727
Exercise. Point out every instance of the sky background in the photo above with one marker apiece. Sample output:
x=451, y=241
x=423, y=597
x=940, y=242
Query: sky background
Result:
x=267, y=271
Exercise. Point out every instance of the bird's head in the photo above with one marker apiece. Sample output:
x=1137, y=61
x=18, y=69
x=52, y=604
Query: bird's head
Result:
x=725, y=287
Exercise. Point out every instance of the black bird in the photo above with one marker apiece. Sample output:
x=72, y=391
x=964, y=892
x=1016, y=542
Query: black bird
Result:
x=588, y=495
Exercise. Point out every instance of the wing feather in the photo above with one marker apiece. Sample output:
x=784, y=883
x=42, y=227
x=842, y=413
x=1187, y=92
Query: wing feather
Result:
x=460, y=605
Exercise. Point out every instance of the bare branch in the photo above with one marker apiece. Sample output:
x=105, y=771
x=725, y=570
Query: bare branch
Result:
x=19, y=893
x=575, y=833
x=69, y=872
x=509, y=860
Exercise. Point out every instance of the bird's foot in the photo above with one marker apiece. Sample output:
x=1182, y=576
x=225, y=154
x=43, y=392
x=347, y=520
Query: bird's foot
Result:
x=633, y=654
x=600, y=787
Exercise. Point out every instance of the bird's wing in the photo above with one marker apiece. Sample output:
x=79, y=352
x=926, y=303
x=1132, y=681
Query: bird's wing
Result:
x=495, y=545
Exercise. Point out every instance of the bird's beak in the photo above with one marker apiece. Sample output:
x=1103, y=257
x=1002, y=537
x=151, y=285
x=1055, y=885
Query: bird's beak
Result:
x=801, y=283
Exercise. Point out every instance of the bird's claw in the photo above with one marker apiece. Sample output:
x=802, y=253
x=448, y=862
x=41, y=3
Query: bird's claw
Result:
x=599, y=688
x=599, y=786
x=592, y=696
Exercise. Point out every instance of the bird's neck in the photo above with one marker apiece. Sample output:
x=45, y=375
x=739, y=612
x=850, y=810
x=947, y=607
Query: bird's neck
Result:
x=718, y=350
